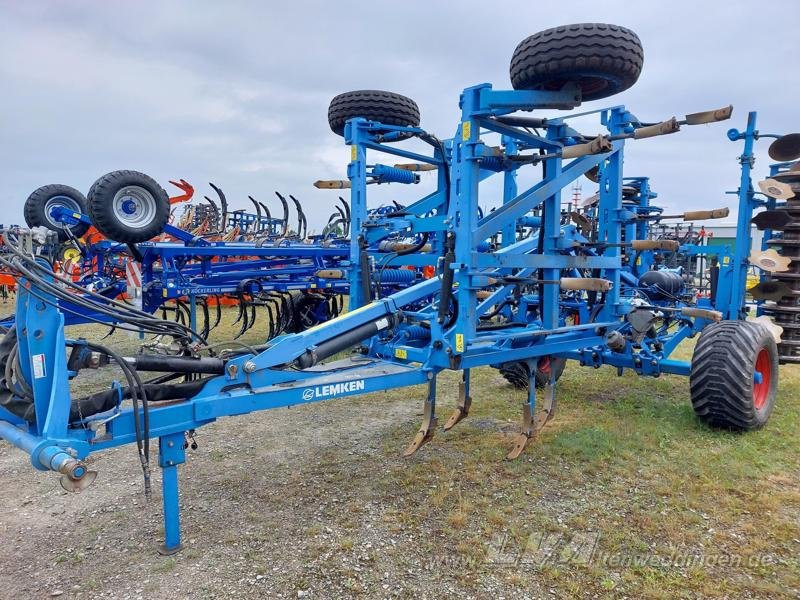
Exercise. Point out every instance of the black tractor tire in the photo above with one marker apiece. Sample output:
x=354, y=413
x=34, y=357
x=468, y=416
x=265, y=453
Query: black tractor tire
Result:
x=46, y=198
x=516, y=373
x=723, y=386
x=602, y=59
x=128, y=206
x=375, y=105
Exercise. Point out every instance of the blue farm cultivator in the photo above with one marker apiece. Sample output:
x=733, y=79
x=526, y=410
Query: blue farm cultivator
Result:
x=434, y=283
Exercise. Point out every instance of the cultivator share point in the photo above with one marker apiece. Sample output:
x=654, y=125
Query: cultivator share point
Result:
x=435, y=283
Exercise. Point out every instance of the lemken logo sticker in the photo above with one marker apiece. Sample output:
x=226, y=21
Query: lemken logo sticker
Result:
x=333, y=389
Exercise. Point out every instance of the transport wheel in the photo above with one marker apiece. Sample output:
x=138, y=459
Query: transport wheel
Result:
x=734, y=376
x=128, y=207
x=516, y=373
x=40, y=204
x=603, y=59
x=386, y=107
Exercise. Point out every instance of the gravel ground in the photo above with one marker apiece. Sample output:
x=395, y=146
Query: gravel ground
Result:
x=316, y=501
x=286, y=503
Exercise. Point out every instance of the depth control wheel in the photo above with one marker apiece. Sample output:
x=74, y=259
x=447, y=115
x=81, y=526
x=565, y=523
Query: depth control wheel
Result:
x=734, y=376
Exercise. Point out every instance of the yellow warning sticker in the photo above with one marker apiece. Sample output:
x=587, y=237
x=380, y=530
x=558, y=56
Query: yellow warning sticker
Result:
x=726, y=260
x=353, y=153
x=466, y=130
x=459, y=342
x=400, y=353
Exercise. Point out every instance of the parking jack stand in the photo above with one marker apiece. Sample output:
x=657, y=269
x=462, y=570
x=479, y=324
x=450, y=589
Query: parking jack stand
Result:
x=533, y=421
x=171, y=453
x=428, y=427
x=464, y=402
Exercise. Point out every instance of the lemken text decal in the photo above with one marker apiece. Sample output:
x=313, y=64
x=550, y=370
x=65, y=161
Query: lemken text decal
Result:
x=334, y=389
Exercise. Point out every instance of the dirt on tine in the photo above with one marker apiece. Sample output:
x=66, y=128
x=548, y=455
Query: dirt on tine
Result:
x=315, y=501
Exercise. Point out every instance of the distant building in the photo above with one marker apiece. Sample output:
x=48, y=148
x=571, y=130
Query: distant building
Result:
x=724, y=234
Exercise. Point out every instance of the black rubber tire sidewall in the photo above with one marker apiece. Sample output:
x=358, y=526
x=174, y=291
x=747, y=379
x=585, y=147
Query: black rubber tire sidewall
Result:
x=35, y=210
x=388, y=108
x=721, y=379
x=101, y=210
x=516, y=373
x=584, y=52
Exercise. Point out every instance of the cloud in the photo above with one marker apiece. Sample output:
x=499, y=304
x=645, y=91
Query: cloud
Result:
x=237, y=93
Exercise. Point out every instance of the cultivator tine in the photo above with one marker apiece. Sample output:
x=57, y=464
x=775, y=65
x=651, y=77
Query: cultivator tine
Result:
x=269, y=217
x=206, y=329
x=243, y=306
x=215, y=212
x=270, y=318
x=285, y=214
x=240, y=305
x=302, y=230
x=533, y=417
x=218, y=316
x=464, y=402
x=428, y=427
x=224, y=203
x=257, y=226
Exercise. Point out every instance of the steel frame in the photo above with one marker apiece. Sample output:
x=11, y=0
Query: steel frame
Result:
x=397, y=351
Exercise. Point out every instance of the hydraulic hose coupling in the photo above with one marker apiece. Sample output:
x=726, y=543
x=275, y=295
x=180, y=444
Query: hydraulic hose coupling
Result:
x=74, y=474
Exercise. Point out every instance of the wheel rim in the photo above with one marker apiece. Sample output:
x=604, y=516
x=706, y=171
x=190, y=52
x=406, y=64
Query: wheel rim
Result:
x=134, y=206
x=762, y=379
x=590, y=84
x=544, y=365
x=60, y=202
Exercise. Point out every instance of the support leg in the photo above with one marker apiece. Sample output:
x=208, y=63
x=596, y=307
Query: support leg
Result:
x=464, y=402
x=428, y=427
x=171, y=454
x=532, y=419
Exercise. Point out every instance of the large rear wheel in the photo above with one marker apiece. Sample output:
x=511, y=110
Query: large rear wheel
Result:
x=734, y=376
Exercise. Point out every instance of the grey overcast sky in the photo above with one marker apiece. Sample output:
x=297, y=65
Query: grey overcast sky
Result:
x=237, y=92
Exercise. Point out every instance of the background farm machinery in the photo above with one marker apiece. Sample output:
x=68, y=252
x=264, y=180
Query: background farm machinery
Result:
x=523, y=288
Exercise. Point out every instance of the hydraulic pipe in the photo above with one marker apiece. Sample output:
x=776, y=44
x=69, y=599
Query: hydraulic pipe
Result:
x=343, y=341
x=176, y=364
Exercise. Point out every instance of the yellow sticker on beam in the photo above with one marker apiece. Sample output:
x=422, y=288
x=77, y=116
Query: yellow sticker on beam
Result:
x=459, y=342
x=353, y=153
x=400, y=353
x=466, y=130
